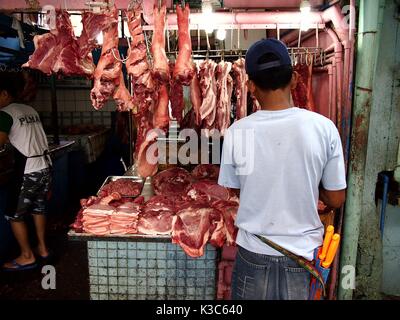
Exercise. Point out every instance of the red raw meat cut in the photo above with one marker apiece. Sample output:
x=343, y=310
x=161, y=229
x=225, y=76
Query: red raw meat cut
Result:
x=161, y=113
x=217, y=229
x=190, y=121
x=146, y=161
x=170, y=202
x=229, y=211
x=136, y=64
x=302, y=94
x=144, y=96
x=256, y=104
x=206, y=171
x=122, y=97
x=240, y=77
x=183, y=71
x=176, y=97
x=160, y=60
x=58, y=51
x=224, y=96
x=92, y=25
x=195, y=95
x=208, y=87
x=171, y=181
x=158, y=212
x=107, y=75
x=125, y=187
x=191, y=228
x=208, y=191
x=124, y=220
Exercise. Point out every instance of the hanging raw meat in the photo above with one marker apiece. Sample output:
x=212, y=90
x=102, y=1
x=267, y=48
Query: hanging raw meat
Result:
x=122, y=97
x=195, y=95
x=208, y=87
x=176, y=97
x=107, y=76
x=302, y=94
x=256, y=104
x=224, y=96
x=161, y=112
x=143, y=94
x=58, y=51
x=92, y=25
x=240, y=77
x=183, y=71
x=146, y=153
x=160, y=60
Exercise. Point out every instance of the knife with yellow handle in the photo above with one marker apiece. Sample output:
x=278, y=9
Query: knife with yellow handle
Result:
x=327, y=240
x=331, y=251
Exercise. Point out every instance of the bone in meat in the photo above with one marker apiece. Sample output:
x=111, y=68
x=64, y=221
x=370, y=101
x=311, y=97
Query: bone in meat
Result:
x=160, y=60
x=195, y=95
x=107, y=75
x=224, y=95
x=183, y=71
x=240, y=88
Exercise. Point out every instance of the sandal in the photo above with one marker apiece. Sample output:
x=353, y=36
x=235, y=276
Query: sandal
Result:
x=20, y=267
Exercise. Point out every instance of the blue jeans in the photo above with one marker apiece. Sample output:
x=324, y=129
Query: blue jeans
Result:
x=261, y=277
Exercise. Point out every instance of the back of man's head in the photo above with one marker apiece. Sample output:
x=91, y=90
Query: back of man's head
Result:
x=268, y=64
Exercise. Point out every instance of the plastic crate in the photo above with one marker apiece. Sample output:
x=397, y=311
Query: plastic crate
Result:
x=124, y=270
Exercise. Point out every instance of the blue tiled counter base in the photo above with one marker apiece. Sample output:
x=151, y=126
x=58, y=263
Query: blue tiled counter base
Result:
x=149, y=271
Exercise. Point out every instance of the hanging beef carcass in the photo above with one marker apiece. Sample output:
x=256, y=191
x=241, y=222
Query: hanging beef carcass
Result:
x=107, y=76
x=256, y=104
x=302, y=94
x=240, y=77
x=160, y=60
x=176, y=97
x=183, y=70
x=59, y=50
x=208, y=87
x=195, y=95
x=143, y=94
x=122, y=97
x=224, y=96
x=161, y=112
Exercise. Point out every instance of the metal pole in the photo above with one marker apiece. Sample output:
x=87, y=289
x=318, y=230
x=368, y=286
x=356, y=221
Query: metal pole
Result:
x=368, y=47
x=54, y=109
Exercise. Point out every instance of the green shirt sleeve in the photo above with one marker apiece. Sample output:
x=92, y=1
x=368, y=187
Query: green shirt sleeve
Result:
x=6, y=122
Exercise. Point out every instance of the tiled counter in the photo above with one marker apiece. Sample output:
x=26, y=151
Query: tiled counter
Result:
x=147, y=268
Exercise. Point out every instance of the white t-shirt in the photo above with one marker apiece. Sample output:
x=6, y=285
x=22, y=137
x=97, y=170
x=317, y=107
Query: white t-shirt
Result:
x=27, y=135
x=277, y=159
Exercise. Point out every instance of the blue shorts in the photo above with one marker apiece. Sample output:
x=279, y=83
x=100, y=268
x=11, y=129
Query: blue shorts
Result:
x=34, y=195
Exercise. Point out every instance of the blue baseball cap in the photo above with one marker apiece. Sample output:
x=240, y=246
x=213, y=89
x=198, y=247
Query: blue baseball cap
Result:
x=262, y=47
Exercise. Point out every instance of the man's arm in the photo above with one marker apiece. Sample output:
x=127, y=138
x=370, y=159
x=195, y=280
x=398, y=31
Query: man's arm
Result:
x=333, y=199
x=3, y=139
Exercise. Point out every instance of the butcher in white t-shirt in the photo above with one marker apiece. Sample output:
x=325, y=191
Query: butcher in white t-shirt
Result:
x=28, y=193
x=283, y=160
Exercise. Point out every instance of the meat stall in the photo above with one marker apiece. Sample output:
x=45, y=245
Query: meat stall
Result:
x=166, y=229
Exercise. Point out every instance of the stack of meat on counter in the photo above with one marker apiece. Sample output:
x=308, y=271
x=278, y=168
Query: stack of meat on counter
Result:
x=191, y=207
